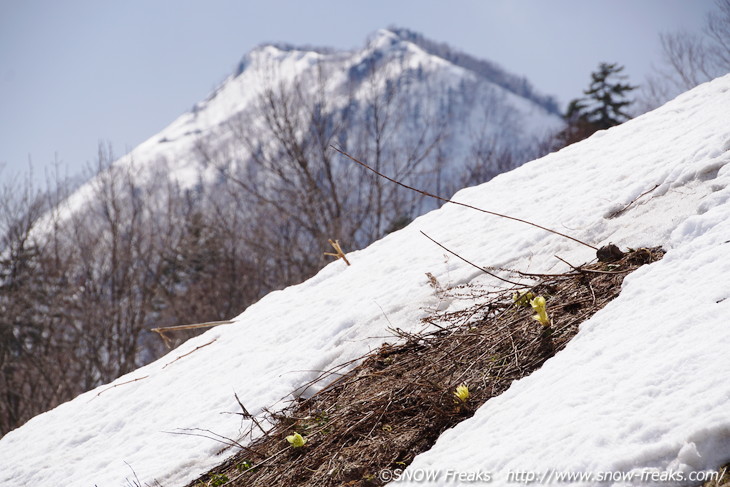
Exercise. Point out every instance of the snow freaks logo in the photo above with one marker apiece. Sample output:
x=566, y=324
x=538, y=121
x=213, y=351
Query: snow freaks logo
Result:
x=546, y=477
x=421, y=475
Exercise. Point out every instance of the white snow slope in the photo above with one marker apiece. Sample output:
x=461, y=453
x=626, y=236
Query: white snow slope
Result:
x=642, y=388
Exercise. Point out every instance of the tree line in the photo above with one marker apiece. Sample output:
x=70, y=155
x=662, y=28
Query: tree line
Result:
x=79, y=291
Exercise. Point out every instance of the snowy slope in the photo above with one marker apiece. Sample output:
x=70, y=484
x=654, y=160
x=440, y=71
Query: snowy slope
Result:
x=643, y=385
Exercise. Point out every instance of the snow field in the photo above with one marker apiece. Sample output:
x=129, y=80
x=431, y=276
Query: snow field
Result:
x=642, y=386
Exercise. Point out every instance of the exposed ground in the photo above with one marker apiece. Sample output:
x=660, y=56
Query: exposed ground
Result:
x=723, y=479
x=401, y=397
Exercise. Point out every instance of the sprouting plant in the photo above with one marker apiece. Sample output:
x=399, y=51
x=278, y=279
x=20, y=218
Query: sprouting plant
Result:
x=538, y=304
x=296, y=440
x=462, y=393
x=217, y=479
x=322, y=417
x=244, y=465
x=523, y=299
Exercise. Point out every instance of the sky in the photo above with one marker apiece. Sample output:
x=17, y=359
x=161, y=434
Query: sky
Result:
x=77, y=73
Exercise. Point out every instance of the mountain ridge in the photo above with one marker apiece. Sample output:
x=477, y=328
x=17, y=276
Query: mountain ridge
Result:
x=482, y=115
x=517, y=84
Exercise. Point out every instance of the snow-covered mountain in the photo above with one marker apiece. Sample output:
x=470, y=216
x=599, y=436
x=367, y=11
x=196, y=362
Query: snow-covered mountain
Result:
x=401, y=95
x=642, y=389
x=440, y=86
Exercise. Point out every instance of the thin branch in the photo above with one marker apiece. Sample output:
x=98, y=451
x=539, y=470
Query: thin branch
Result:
x=163, y=330
x=568, y=263
x=259, y=465
x=471, y=263
x=229, y=442
x=580, y=269
x=248, y=415
x=192, y=327
x=121, y=384
x=137, y=482
x=446, y=200
x=617, y=213
x=191, y=351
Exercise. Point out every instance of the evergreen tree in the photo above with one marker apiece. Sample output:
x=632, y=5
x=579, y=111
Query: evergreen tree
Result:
x=603, y=107
x=607, y=97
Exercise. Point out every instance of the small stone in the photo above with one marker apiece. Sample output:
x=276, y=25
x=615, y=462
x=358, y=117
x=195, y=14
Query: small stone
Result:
x=609, y=253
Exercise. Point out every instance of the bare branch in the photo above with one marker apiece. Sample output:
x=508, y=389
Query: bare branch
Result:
x=445, y=200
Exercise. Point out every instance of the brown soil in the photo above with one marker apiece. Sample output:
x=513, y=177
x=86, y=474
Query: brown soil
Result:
x=722, y=480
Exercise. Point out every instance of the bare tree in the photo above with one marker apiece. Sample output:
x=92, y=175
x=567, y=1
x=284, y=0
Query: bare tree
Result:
x=80, y=289
x=689, y=60
x=295, y=193
x=33, y=288
x=399, y=135
x=492, y=150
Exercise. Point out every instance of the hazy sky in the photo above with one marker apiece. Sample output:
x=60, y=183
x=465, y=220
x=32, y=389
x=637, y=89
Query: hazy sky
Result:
x=77, y=72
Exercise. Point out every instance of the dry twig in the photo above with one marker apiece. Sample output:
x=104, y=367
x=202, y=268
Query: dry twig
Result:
x=472, y=264
x=338, y=253
x=121, y=384
x=446, y=200
x=166, y=329
x=191, y=351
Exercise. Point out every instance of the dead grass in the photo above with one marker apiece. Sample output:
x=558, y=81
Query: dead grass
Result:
x=723, y=479
x=396, y=403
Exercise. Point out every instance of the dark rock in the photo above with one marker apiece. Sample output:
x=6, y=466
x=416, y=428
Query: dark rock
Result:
x=609, y=253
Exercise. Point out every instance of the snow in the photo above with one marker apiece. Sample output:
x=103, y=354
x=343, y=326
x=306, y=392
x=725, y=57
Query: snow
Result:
x=173, y=151
x=642, y=388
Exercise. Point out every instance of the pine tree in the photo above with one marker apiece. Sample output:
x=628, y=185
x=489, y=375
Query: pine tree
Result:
x=607, y=97
x=603, y=107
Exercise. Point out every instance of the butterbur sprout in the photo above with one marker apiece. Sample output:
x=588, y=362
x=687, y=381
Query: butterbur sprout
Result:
x=462, y=393
x=522, y=299
x=296, y=440
x=538, y=304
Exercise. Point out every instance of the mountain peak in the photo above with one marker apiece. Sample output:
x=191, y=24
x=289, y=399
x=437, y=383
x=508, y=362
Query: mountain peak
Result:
x=387, y=39
x=383, y=37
